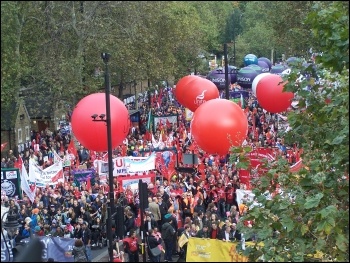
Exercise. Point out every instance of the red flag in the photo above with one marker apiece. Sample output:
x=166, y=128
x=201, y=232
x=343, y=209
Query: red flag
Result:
x=168, y=124
x=148, y=136
x=57, y=176
x=201, y=169
x=3, y=145
x=77, y=163
x=18, y=163
x=88, y=184
x=71, y=148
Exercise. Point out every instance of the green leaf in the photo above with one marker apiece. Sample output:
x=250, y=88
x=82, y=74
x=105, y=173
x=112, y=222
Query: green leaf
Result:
x=288, y=223
x=342, y=242
x=313, y=201
x=327, y=211
x=304, y=229
x=338, y=140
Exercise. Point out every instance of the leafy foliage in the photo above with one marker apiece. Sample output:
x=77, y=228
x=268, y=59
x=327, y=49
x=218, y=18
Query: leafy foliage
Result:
x=309, y=219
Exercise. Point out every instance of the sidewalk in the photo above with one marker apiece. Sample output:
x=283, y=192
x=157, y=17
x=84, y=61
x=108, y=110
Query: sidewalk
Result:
x=105, y=258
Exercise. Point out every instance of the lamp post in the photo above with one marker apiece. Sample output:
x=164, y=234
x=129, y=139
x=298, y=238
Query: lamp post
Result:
x=227, y=94
x=110, y=209
x=11, y=225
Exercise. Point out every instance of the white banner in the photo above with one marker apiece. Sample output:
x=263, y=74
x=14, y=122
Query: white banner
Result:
x=50, y=175
x=128, y=165
x=244, y=194
x=188, y=114
x=134, y=182
x=140, y=165
x=163, y=120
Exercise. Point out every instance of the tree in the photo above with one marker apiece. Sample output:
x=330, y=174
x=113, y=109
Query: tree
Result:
x=309, y=219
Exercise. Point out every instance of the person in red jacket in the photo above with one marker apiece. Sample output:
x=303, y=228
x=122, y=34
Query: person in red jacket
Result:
x=131, y=246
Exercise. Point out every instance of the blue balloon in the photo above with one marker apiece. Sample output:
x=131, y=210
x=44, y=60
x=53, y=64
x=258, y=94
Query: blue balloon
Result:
x=250, y=59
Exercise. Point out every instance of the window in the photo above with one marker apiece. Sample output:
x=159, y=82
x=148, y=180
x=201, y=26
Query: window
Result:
x=27, y=133
x=19, y=133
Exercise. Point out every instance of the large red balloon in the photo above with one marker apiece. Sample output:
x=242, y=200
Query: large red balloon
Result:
x=182, y=86
x=93, y=134
x=219, y=124
x=198, y=92
x=270, y=94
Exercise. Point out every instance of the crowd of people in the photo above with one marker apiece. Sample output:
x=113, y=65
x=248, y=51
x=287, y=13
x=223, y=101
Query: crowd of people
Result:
x=183, y=206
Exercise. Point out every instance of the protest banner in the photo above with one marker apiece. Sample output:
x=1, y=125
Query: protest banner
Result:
x=133, y=181
x=51, y=175
x=10, y=183
x=60, y=249
x=213, y=250
x=127, y=165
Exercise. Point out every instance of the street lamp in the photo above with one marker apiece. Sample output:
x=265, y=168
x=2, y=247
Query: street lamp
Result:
x=11, y=225
x=107, y=118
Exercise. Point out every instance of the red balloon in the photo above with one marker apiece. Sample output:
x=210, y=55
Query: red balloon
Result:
x=270, y=94
x=93, y=134
x=219, y=124
x=199, y=91
x=182, y=86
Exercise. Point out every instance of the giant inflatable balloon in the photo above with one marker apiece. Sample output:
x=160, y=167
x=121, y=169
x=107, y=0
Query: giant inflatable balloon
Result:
x=182, y=86
x=219, y=124
x=257, y=68
x=233, y=71
x=245, y=77
x=256, y=81
x=292, y=61
x=250, y=59
x=93, y=134
x=277, y=69
x=266, y=60
x=264, y=66
x=217, y=76
x=199, y=92
x=270, y=94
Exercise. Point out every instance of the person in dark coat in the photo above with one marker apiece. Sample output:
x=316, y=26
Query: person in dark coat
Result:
x=168, y=233
x=152, y=242
x=129, y=223
x=79, y=251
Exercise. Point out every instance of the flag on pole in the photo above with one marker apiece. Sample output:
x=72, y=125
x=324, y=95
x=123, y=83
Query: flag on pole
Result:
x=88, y=184
x=30, y=192
x=3, y=145
x=56, y=157
x=242, y=101
x=150, y=120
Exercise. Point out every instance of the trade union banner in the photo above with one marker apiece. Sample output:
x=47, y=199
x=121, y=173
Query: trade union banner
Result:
x=60, y=249
x=10, y=183
x=213, y=250
x=127, y=165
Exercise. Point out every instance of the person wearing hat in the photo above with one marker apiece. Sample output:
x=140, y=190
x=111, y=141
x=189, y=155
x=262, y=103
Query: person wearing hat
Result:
x=34, y=219
x=69, y=226
x=53, y=226
x=38, y=231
